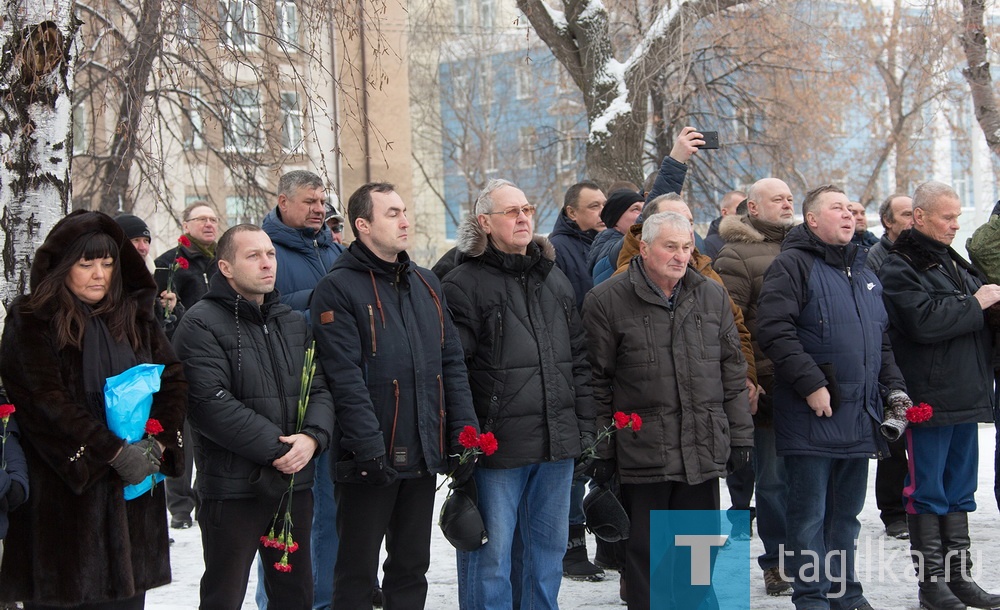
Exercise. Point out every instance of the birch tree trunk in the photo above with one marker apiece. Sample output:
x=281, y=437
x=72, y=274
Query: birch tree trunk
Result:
x=36, y=38
x=977, y=71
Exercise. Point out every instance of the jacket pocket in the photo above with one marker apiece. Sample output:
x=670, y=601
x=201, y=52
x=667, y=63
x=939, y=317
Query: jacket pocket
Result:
x=846, y=426
x=712, y=434
x=497, y=335
x=644, y=449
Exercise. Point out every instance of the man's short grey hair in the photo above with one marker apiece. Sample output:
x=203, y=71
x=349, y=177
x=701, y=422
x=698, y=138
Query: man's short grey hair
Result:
x=928, y=193
x=653, y=207
x=484, y=202
x=885, y=210
x=673, y=220
x=294, y=180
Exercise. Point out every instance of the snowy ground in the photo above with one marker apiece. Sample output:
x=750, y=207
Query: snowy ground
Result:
x=883, y=563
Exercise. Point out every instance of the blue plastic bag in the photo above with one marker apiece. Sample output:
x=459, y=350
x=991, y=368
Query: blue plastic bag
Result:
x=128, y=398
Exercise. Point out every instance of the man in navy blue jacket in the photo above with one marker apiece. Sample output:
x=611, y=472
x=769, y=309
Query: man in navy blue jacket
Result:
x=822, y=322
x=401, y=399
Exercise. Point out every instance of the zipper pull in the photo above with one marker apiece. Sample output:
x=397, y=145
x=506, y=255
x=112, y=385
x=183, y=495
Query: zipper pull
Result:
x=265, y=329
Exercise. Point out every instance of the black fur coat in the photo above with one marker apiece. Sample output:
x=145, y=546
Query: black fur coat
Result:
x=77, y=540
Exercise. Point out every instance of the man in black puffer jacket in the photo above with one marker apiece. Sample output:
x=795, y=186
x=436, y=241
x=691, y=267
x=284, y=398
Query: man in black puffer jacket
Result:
x=402, y=398
x=526, y=354
x=243, y=352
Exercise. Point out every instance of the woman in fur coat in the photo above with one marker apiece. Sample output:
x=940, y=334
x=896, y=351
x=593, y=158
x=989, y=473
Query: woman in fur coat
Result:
x=76, y=542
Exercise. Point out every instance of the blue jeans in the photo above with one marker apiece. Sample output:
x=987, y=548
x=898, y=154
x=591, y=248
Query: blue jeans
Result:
x=534, y=500
x=944, y=469
x=577, y=492
x=772, y=494
x=822, y=530
x=324, y=539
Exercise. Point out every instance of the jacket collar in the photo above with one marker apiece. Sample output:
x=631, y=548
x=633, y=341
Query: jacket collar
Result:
x=565, y=226
x=301, y=240
x=923, y=253
x=220, y=291
x=473, y=243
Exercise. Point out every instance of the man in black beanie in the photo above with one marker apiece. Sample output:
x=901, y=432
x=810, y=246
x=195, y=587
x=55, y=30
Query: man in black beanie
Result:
x=620, y=212
x=137, y=232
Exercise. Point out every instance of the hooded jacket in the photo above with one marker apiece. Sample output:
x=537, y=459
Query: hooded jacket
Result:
x=820, y=305
x=681, y=370
x=572, y=246
x=401, y=386
x=524, y=349
x=244, y=366
x=304, y=257
x=938, y=329
x=76, y=540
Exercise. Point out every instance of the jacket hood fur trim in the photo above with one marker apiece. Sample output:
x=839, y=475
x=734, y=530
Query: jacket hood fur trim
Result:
x=471, y=240
x=742, y=229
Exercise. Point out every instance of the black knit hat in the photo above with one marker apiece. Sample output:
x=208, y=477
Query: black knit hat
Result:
x=133, y=226
x=618, y=203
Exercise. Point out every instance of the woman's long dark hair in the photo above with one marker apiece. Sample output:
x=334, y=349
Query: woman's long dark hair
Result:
x=69, y=317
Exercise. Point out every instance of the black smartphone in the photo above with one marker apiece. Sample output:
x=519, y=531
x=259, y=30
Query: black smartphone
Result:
x=711, y=140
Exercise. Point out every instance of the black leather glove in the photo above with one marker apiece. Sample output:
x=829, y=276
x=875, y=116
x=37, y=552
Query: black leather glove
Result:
x=602, y=471
x=461, y=473
x=372, y=471
x=738, y=458
x=133, y=464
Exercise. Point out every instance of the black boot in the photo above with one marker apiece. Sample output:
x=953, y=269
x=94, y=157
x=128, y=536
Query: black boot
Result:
x=576, y=565
x=955, y=539
x=928, y=560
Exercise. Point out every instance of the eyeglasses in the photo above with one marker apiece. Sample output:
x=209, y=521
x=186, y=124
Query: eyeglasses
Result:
x=337, y=229
x=527, y=210
x=205, y=219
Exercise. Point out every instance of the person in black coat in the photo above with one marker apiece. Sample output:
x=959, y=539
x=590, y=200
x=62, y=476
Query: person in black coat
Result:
x=576, y=227
x=936, y=302
x=89, y=316
x=401, y=397
x=14, y=486
x=201, y=228
x=243, y=351
x=526, y=354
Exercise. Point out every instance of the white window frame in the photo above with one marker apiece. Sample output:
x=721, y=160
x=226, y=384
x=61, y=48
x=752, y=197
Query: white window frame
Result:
x=487, y=13
x=240, y=21
x=287, y=16
x=80, y=129
x=463, y=15
x=188, y=24
x=523, y=84
x=527, y=142
x=292, y=135
x=245, y=133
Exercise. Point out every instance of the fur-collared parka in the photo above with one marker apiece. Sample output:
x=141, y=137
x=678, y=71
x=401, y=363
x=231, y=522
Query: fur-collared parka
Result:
x=77, y=540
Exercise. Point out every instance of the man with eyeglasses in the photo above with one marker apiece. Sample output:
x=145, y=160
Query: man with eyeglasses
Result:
x=200, y=223
x=335, y=222
x=525, y=349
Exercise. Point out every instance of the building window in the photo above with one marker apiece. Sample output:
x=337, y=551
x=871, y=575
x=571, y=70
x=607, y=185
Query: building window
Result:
x=239, y=23
x=527, y=142
x=490, y=154
x=523, y=84
x=564, y=147
x=244, y=131
x=743, y=123
x=241, y=210
x=288, y=24
x=188, y=23
x=462, y=16
x=79, y=129
x=291, y=122
x=461, y=92
x=194, y=137
x=487, y=13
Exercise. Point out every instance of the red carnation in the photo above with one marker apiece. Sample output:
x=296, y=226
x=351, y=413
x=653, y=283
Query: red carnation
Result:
x=294, y=546
x=636, y=422
x=283, y=565
x=469, y=437
x=184, y=241
x=488, y=443
x=153, y=426
x=6, y=410
x=920, y=413
x=182, y=262
x=621, y=420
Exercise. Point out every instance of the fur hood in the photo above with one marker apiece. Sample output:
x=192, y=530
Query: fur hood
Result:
x=745, y=229
x=923, y=253
x=471, y=240
x=137, y=282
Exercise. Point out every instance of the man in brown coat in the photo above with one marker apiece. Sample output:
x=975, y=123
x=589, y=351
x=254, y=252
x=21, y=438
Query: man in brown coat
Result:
x=752, y=242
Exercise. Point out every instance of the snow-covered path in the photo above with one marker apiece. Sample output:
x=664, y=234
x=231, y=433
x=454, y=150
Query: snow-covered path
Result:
x=883, y=563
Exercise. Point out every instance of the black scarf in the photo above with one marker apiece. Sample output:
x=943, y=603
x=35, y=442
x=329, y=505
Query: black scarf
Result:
x=103, y=357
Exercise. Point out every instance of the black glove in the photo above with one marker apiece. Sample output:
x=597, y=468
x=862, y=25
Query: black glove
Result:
x=602, y=471
x=15, y=495
x=738, y=458
x=152, y=449
x=461, y=473
x=372, y=471
x=133, y=464
x=584, y=462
